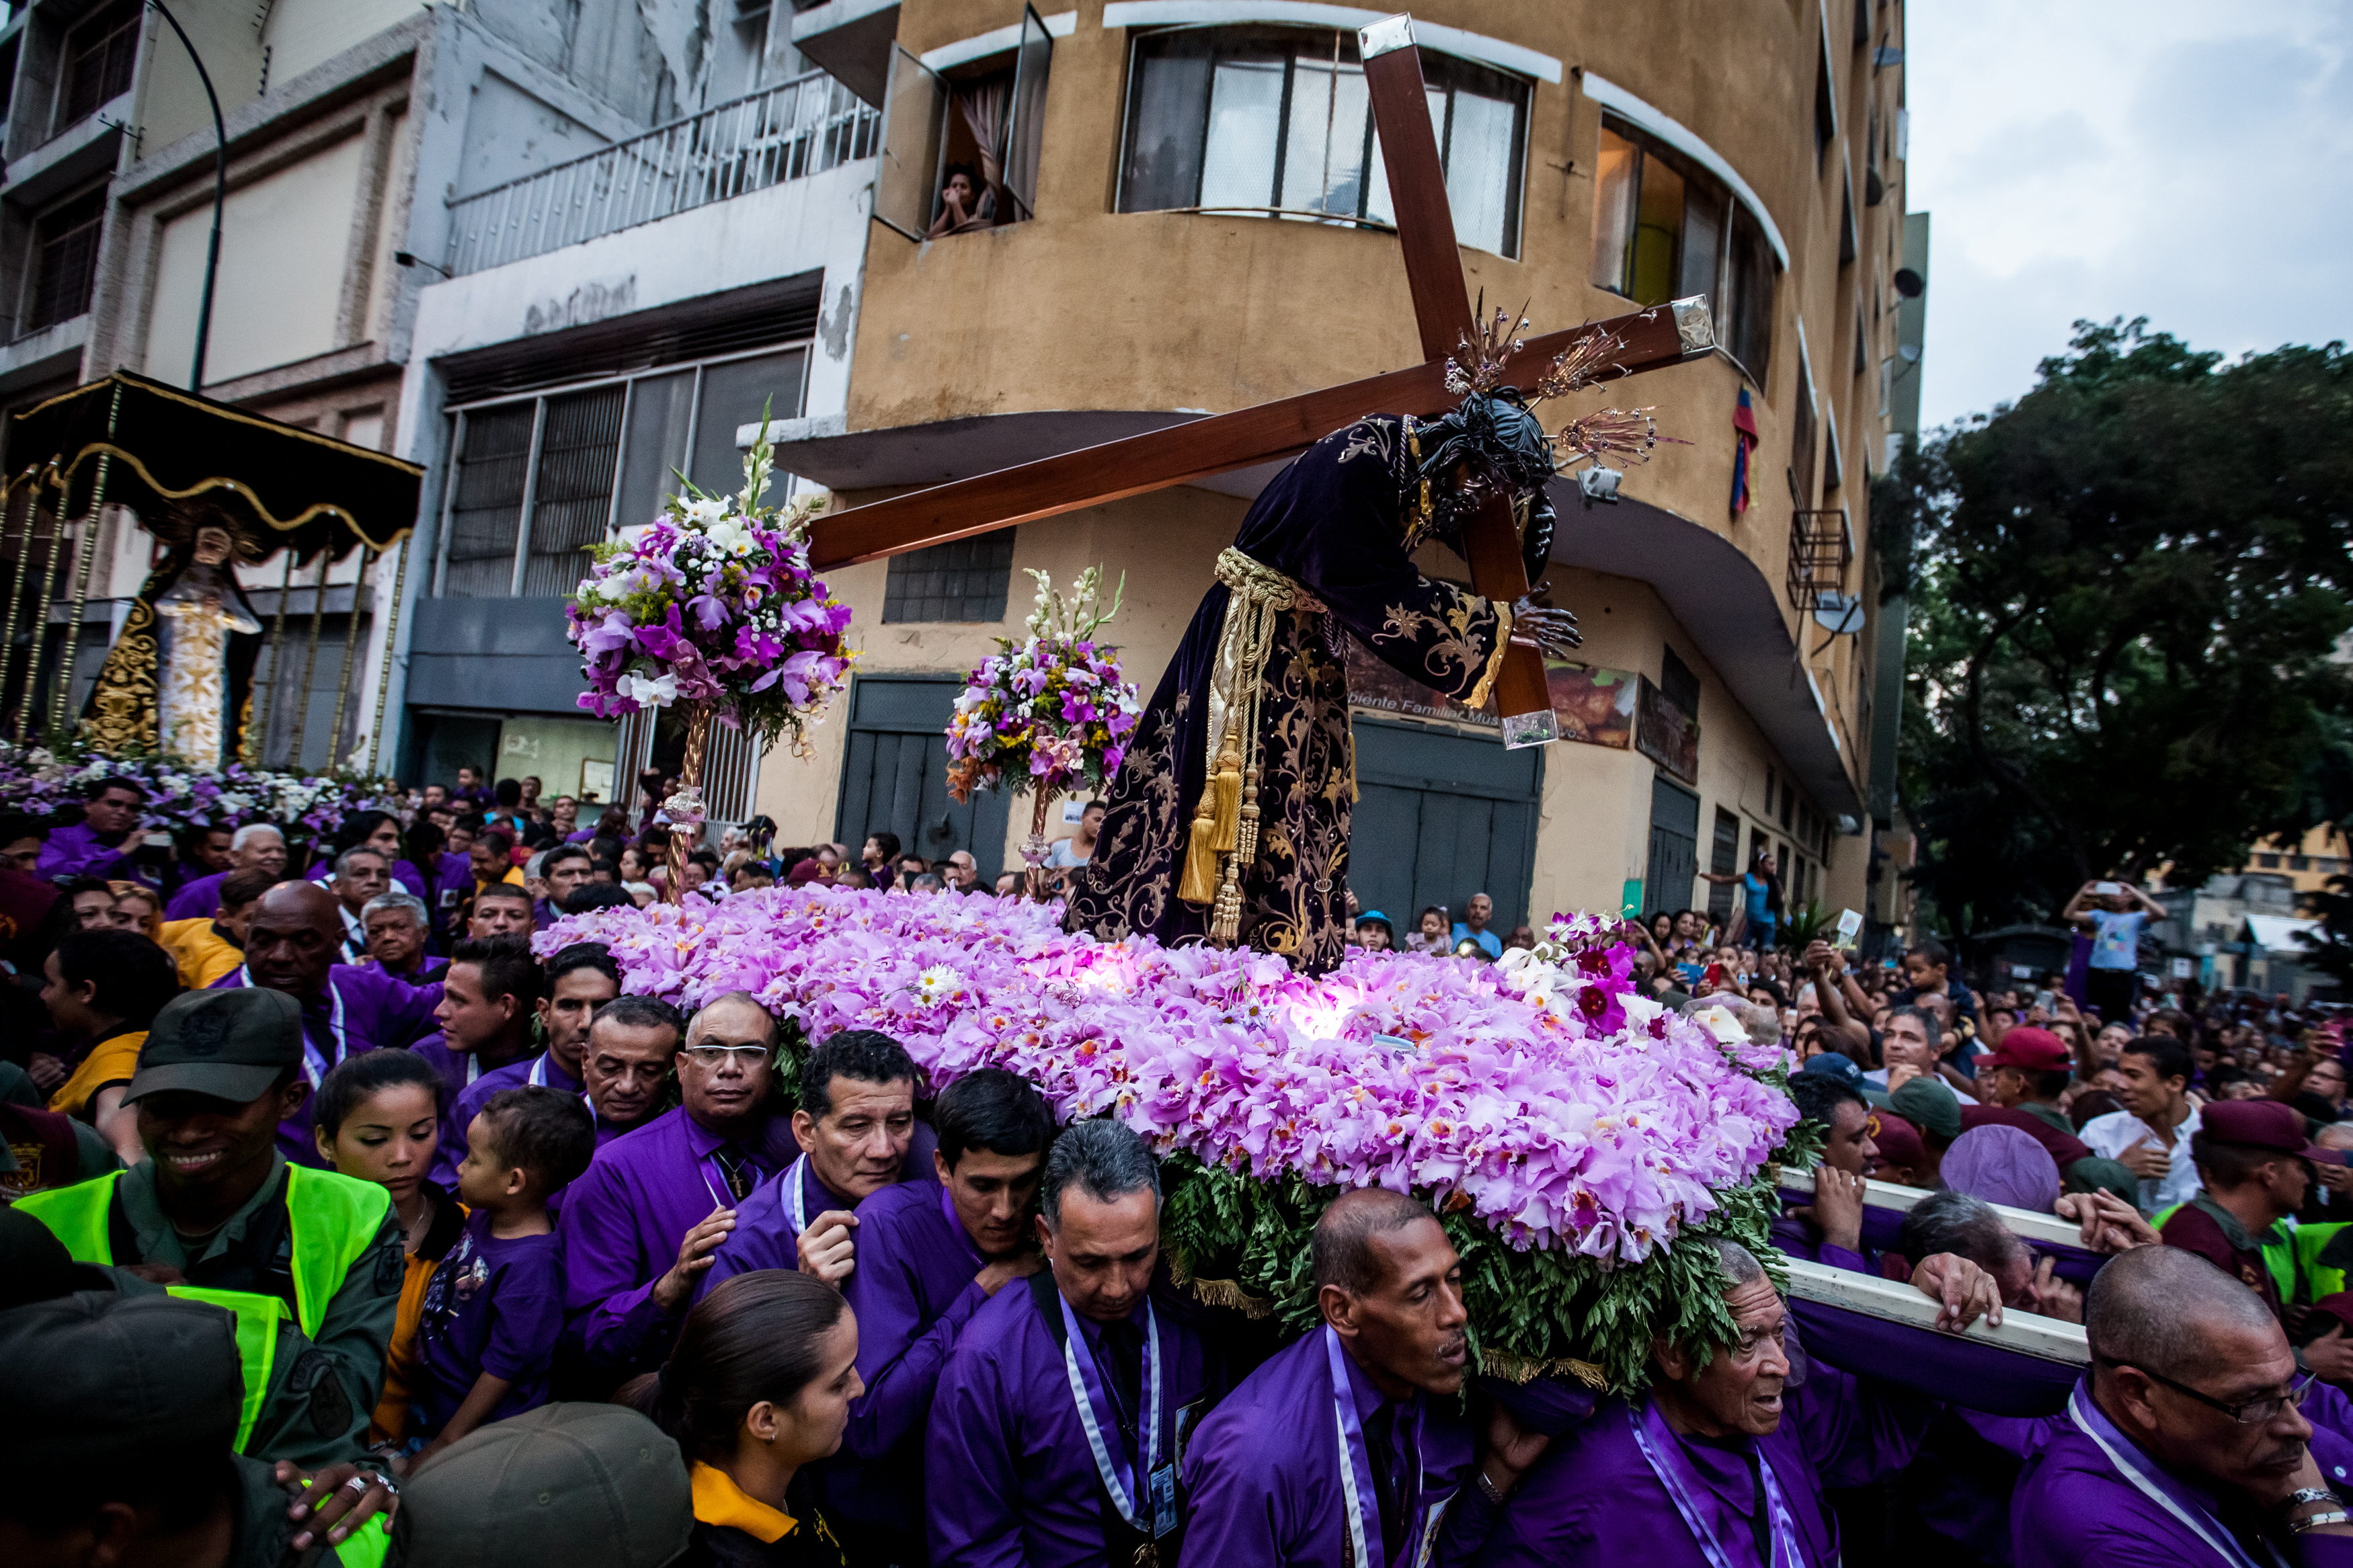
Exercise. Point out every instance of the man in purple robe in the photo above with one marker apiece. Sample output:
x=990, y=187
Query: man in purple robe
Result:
x=856, y=1126
x=579, y=980
x=2184, y=1445
x=627, y=1068
x=255, y=847
x=489, y=998
x=639, y=1228
x=292, y=933
x=1348, y=1446
x=1054, y=1432
x=1828, y=1230
x=1724, y=1463
x=91, y=847
x=928, y=1259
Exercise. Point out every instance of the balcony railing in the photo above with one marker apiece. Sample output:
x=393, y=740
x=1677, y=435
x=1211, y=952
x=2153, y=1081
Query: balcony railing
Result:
x=788, y=132
x=1821, y=548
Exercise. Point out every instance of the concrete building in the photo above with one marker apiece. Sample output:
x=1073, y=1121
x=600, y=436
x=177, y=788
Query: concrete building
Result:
x=2239, y=930
x=1188, y=223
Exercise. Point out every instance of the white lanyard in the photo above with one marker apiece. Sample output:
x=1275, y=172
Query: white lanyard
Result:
x=314, y=1066
x=795, y=1194
x=538, y=1079
x=1353, y=1453
x=1126, y=1487
x=2224, y=1545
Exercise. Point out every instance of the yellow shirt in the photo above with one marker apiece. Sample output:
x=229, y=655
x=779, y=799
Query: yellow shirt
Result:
x=203, y=954
x=719, y=1501
x=109, y=1062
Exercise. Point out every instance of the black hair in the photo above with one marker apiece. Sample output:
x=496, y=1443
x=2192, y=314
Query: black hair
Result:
x=756, y=1337
x=424, y=842
x=1500, y=444
x=183, y=1488
x=540, y=1130
x=189, y=837
x=360, y=826
x=887, y=842
x=16, y=824
x=991, y=1109
x=357, y=1080
x=96, y=787
x=508, y=792
x=1338, y=1252
x=505, y=964
x=1931, y=950
x=971, y=174
x=2169, y=1057
x=564, y=852
x=640, y=1012
x=514, y=890
x=2050, y=1085
x=1818, y=1096
x=498, y=839
x=134, y=976
x=866, y=1056
x=590, y=896
x=2229, y=1165
x=582, y=955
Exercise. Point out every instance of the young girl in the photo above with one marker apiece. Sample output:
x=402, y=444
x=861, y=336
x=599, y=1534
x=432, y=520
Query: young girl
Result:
x=758, y=1388
x=377, y=1120
x=1432, y=934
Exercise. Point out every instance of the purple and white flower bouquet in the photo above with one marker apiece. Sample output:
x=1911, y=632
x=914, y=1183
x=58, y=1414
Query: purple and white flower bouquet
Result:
x=310, y=808
x=1575, y=1136
x=1047, y=713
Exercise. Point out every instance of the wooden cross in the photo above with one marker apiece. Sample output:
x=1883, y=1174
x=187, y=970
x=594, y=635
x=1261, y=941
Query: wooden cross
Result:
x=1646, y=339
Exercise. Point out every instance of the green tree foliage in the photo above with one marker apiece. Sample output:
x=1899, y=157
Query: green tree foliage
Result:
x=2127, y=589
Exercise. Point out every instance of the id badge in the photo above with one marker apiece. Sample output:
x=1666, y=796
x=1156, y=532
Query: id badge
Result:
x=1163, y=1501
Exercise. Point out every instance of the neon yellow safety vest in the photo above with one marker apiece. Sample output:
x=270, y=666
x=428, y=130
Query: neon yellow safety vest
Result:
x=2286, y=1257
x=2310, y=1239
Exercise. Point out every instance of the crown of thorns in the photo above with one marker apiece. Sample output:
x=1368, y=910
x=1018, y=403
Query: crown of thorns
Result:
x=1478, y=371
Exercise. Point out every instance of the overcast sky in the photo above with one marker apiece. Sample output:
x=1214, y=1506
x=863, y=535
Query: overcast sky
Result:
x=2183, y=160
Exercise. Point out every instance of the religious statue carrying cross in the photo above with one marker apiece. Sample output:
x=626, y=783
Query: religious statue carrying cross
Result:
x=1228, y=820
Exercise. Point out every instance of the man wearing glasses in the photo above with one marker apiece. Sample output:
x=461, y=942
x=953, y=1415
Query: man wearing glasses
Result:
x=2185, y=1444
x=639, y=1228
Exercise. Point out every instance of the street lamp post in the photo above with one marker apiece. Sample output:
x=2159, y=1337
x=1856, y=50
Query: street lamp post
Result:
x=220, y=198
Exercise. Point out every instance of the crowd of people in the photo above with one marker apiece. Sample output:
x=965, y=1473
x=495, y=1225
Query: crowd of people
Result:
x=345, y=1227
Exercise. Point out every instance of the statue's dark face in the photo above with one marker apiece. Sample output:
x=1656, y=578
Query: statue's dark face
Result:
x=213, y=546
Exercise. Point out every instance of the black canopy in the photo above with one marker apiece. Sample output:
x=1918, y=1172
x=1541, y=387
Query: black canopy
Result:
x=297, y=486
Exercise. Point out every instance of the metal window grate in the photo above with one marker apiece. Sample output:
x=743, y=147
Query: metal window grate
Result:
x=486, y=515
x=65, y=261
x=573, y=498
x=1821, y=548
x=785, y=132
x=98, y=56
x=961, y=580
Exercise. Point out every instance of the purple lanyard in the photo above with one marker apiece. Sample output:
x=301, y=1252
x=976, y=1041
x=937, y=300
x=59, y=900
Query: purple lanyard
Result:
x=2153, y=1483
x=1664, y=1455
x=1117, y=1469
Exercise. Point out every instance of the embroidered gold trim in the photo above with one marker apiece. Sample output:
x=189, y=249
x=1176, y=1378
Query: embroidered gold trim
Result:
x=1478, y=697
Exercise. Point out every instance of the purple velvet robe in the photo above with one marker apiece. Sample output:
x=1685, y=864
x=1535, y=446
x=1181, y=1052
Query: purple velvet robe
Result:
x=75, y=851
x=622, y=1224
x=913, y=1292
x=765, y=1237
x=1594, y=1499
x=2075, y=1508
x=358, y=1010
x=1262, y=1474
x=1009, y=1480
x=196, y=900
x=461, y=1073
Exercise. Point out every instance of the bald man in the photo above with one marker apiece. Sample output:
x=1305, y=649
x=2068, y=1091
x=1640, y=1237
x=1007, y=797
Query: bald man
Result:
x=294, y=938
x=642, y=1225
x=2185, y=1445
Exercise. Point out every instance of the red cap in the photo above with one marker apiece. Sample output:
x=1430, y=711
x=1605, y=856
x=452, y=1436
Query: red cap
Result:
x=2262, y=1124
x=2029, y=1050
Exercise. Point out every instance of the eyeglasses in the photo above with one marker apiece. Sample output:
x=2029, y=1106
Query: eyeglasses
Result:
x=2251, y=1412
x=745, y=1056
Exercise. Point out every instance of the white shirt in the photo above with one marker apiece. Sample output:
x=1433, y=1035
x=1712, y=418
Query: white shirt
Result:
x=2109, y=1136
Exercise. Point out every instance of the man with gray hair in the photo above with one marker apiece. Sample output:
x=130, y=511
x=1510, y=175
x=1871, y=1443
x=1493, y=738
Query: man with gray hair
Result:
x=255, y=847
x=362, y=876
x=396, y=925
x=2184, y=1445
x=1725, y=1460
x=1053, y=1433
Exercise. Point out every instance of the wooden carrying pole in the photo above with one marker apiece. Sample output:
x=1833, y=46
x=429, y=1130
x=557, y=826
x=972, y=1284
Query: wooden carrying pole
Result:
x=2047, y=1230
x=2027, y=1334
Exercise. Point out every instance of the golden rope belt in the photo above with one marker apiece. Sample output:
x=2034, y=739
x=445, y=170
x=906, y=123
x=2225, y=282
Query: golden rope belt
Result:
x=1224, y=836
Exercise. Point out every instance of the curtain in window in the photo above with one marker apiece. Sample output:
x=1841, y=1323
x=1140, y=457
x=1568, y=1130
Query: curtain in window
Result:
x=984, y=105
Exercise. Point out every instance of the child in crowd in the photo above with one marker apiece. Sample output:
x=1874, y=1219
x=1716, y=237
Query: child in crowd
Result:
x=377, y=1121
x=495, y=1307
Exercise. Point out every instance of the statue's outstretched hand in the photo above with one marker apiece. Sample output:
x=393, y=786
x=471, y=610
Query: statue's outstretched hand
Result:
x=1553, y=631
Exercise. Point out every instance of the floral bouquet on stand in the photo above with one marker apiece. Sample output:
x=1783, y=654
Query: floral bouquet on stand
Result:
x=1050, y=713
x=714, y=606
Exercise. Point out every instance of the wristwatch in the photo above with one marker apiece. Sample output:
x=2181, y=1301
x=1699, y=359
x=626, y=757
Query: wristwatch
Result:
x=2302, y=1495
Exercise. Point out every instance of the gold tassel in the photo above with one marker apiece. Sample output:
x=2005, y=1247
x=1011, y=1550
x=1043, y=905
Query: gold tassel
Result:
x=1213, y=827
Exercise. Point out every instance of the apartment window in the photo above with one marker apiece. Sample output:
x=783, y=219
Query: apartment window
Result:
x=1278, y=120
x=1804, y=440
x=1724, y=858
x=97, y=57
x=536, y=480
x=963, y=580
x=1825, y=107
x=65, y=260
x=1677, y=684
x=1664, y=229
x=2299, y=863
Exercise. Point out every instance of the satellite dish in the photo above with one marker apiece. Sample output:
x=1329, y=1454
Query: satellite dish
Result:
x=1841, y=615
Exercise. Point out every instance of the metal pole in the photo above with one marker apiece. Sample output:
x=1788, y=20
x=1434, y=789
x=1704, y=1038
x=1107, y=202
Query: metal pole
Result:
x=277, y=658
x=350, y=651
x=26, y=729
x=220, y=199
x=17, y=593
x=310, y=669
x=384, y=671
x=64, y=697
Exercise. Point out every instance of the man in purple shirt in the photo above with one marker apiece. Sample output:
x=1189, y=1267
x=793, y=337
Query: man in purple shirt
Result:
x=579, y=980
x=928, y=1259
x=562, y=869
x=488, y=1000
x=292, y=933
x=626, y=1064
x=2184, y=1446
x=856, y=1126
x=640, y=1227
x=255, y=847
x=1053, y=1435
x=1724, y=1463
x=1348, y=1446
x=1830, y=1230
x=90, y=846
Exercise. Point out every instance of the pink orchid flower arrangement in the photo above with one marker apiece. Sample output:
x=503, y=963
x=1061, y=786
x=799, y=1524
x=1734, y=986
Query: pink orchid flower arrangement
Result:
x=1047, y=713
x=1576, y=1124
x=713, y=603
